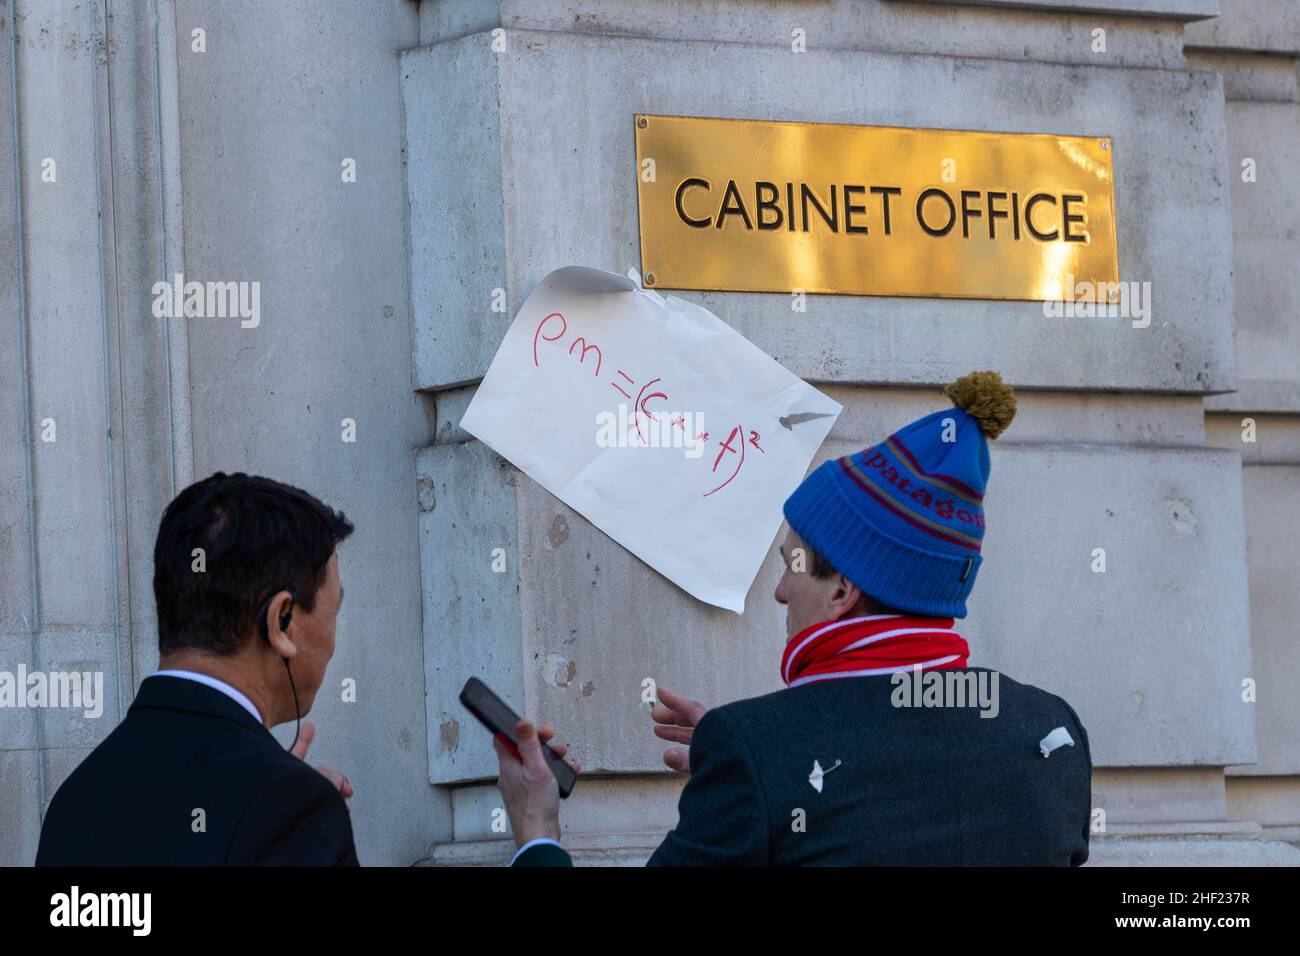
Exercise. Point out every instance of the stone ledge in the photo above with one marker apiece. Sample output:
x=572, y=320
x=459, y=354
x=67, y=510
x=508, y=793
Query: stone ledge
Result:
x=1267, y=26
x=1261, y=397
x=605, y=849
x=1191, y=844
x=1248, y=76
x=1145, y=33
x=1283, y=834
x=1185, y=10
x=1182, y=844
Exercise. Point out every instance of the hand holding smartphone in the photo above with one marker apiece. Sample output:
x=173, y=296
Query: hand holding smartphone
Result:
x=500, y=720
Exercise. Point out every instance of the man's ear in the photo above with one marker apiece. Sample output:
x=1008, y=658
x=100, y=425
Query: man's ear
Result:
x=279, y=618
x=845, y=597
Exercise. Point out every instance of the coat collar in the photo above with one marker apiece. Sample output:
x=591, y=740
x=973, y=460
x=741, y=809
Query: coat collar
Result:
x=177, y=693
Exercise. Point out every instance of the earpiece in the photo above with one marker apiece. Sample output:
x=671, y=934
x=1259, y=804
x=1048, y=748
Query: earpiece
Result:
x=284, y=622
x=285, y=618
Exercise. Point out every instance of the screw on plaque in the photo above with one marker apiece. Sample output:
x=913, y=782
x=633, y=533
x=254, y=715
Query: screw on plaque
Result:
x=649, y=278
x=641, y=122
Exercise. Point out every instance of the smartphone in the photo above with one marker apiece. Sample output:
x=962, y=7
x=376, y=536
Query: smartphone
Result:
x=493, y=713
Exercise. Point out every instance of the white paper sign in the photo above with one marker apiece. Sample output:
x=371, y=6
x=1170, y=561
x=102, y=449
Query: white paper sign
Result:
x=653, y=418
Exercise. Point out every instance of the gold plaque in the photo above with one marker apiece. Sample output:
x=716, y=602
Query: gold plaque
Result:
x=758, y=206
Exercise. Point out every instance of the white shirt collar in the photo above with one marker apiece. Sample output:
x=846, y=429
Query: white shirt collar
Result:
x=233, y=693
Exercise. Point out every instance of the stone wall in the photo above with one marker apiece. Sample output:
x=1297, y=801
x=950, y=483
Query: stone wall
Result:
x=481, y=170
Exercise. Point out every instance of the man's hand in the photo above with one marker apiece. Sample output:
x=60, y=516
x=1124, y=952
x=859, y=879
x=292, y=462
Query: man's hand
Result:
x=305, y=736
x=677, y=717
x=527, y=785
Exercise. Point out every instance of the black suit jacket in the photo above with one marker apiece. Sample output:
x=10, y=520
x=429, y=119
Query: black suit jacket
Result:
x=185, y=747
x=915, y=786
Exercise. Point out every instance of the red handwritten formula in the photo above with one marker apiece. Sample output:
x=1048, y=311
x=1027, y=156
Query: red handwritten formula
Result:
x=595, y=381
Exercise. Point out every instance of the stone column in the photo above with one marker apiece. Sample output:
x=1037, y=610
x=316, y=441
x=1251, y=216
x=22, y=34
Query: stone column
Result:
x=244, y=112
x=287, y=102
x=1255, y=46
x=94, y=392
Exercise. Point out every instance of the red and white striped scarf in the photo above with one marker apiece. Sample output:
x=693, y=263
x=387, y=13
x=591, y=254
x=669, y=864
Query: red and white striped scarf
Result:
x=866, y=646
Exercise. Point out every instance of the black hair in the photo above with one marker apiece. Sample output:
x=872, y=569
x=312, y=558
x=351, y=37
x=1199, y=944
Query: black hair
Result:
x=258, y=537
x=821, y=568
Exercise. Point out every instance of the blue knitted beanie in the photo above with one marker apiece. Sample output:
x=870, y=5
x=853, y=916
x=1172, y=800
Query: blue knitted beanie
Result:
x=904, y=519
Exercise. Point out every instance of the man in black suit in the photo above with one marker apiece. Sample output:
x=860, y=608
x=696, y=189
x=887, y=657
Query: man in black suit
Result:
x=886, y=748
x=247, y=586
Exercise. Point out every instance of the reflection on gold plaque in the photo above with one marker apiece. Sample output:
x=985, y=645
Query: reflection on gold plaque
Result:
x=756, y=206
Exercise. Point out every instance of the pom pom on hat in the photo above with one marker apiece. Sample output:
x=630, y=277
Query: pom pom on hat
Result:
x=986, y=398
